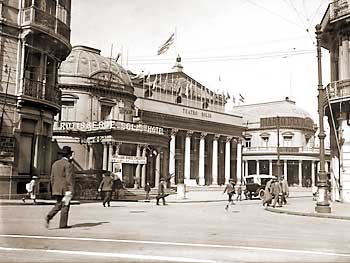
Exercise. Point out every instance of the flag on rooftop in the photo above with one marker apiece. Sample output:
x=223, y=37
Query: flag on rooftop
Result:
x=163, y=48
x=241, y=98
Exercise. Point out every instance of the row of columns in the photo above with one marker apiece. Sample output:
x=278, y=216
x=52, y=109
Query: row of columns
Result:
x=201, y=163
x=285, y=170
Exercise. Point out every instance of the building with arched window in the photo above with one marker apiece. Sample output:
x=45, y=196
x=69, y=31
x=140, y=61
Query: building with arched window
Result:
x=283, y=124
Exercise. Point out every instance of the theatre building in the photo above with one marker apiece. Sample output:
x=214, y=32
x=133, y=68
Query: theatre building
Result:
x=280, y=129
x=145, y=127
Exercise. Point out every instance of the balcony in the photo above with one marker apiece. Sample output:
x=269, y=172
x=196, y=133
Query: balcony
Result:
x=338, y=90
x=33, y=16
x=42, y=92
x=282, y=150
x=339, y=9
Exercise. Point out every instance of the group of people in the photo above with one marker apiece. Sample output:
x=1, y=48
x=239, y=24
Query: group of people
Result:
x=276, y=191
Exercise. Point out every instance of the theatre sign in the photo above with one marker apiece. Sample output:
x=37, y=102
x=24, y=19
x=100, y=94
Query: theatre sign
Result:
x=106, y=125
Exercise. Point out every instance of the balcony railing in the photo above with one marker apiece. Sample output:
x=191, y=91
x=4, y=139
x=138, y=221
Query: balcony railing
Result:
x=282, y=150
x=42, y=91
x=46, y=21
x=338, y=89
x=339, y=8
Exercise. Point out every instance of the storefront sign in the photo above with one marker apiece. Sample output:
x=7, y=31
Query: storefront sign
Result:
x=129, y=159
x=107, y=125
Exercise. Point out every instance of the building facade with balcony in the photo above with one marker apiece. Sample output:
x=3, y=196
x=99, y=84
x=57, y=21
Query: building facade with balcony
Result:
x=334, y=37
x=281, y=130
x=35, y=38
x=145, y=127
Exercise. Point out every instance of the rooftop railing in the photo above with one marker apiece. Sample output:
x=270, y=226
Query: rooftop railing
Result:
x=282, y=150
x=45, y=21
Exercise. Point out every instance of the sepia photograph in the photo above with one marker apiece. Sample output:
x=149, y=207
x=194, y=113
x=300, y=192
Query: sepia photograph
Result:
x=194, y=131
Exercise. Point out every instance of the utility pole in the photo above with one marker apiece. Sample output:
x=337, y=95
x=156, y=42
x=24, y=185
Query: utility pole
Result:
x=322, y=204
x=278, y=149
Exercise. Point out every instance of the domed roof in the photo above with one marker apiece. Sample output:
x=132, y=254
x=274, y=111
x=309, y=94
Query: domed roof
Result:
x=84, y=63
x=285, y=108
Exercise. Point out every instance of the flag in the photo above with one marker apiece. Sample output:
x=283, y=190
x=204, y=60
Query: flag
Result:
x=233, y=99
x=241, y=98
x=163, y=48
x=228, y=95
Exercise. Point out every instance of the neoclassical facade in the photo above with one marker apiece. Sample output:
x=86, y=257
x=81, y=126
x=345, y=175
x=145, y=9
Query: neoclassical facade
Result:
x=280, y=129
x=145, y=127
x=35, y=38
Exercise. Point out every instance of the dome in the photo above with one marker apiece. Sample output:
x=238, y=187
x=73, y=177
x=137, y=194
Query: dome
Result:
x=83, y=63
x=286, y=108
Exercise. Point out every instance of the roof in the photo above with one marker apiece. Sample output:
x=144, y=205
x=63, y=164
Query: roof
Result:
x=285, y=108
x=86, y=62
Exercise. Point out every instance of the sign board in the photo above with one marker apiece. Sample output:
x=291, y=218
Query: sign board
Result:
x=129, y=159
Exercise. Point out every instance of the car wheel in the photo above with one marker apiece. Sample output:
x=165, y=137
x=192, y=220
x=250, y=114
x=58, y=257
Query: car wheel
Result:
x=261, y=194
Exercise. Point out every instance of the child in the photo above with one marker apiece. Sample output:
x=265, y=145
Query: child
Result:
x=147, y=190
x=239, y=192
x=32, y=188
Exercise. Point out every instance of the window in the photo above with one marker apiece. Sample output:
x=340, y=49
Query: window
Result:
x=265, y=139
x=287, y=139
x=68, y=111
x=106, y=112
x=248, y=142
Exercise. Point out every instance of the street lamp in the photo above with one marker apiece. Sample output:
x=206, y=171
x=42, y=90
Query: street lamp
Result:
x=278, y=150
x=322, y=204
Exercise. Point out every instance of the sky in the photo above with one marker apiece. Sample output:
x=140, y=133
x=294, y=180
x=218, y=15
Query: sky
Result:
x=264, y=50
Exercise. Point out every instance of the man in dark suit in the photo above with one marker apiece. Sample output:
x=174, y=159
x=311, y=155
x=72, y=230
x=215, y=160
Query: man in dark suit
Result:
x=106, y=186
x=62, y=183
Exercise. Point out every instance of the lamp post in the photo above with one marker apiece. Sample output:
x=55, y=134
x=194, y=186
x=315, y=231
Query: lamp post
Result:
x=322, y=204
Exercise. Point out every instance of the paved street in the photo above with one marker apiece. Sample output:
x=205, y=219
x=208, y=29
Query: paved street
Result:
x=178, y=232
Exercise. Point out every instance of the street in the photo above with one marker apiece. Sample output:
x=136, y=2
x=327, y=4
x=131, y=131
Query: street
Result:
x=177, y=232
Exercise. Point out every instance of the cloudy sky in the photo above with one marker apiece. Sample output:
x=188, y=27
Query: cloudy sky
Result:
x=262, y=49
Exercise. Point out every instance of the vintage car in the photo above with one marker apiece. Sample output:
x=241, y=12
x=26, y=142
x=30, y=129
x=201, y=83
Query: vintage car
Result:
x=255, y=185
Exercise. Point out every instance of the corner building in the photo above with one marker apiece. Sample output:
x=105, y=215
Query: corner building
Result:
x=35, y=38
x=145, y=127
x=334, y=36
x=280, y=127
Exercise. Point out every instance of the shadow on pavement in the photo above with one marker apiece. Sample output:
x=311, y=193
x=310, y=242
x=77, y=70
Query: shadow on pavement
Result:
x=88, y=224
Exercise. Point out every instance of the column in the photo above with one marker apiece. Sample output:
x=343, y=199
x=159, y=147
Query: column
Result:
x=345, y=45
x=138, y=168
x=110, y=154
x=300, y=173
x=257, y=167
x=172, y=151
x=157, y=177
x=313, y=179
x=202, y=159
x=341, y=61
x=270, y=167
x=215, y=160
x=239, y=161
x=187, y=171
x=285, y=169
x=105, y=156
x=91, y=156
x=143, y=169
x=245, y=168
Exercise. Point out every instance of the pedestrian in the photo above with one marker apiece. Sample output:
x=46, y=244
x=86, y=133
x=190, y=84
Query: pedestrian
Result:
x=314, y=192
x=239, y=192
x=285, y=190
x=230, y=190
x=267, y=193
x=161, y=191
x=32, y=188
x=276, y=191
x=62, y=182
x=147, y=190
x=106, y=187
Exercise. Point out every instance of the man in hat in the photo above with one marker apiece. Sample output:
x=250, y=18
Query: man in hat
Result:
x=62, y=183
x=32, y=189
x=161, y=191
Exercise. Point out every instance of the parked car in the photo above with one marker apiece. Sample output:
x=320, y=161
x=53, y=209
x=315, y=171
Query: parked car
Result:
x=255, y=185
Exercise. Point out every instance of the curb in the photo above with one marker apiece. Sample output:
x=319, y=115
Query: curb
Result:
x=282, y=211
x=28, y=203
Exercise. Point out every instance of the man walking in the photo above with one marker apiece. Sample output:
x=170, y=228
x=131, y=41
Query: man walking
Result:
x=161, y=191
x=285, y=190
x=62, y=183
x=106, y=186
x=230, y=190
